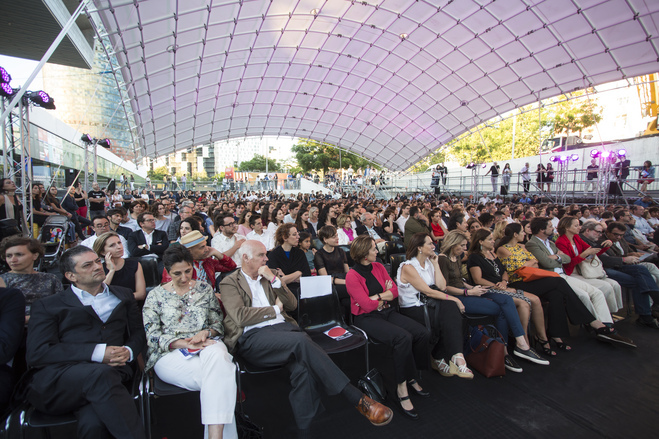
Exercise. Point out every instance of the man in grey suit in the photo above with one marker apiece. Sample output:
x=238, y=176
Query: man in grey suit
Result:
x=259, y=328
x=551, y=258
x=80, y=344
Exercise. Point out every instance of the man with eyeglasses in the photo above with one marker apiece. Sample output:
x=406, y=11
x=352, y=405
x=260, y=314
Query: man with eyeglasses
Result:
x=625, y=269
x=226, y=240
x=147, y=240
x=101, y=225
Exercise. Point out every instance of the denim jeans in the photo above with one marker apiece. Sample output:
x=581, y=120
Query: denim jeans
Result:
x=498, y=305
x=641, y=282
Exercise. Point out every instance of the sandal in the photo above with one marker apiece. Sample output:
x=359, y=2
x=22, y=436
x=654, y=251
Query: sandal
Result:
x=544, y=346
x=561, y=345
x=461, y=371
x=442, y=367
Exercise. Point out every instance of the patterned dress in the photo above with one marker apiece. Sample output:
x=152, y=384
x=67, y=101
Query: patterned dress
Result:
x=33, y=286
x=518, y=257
x=169, y=317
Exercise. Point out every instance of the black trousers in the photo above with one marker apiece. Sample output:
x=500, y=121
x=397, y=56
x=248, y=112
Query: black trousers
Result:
x=446, y=326
x=96, y=394
x=309, y=365
x=408, y=339
x=563, y=303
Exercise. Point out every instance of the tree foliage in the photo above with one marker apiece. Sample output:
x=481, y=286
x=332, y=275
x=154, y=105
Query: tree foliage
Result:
x=257, y=163
x=573, y=116
x=313, y=155
x=158, y=174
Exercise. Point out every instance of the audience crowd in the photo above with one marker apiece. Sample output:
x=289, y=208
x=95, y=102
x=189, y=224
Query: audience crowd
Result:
x=228, y=268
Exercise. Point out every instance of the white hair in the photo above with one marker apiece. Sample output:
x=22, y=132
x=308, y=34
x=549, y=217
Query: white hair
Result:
x=248, y=249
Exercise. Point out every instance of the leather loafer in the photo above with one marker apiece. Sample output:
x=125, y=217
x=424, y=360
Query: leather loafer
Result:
x=377, y=414
x=412, y=414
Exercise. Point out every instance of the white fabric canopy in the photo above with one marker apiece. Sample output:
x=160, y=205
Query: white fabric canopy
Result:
x=391, y=80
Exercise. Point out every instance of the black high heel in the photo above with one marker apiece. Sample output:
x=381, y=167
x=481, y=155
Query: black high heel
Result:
x=544, y=346
x=421, y=392
x=561, y=345
x=412, y=414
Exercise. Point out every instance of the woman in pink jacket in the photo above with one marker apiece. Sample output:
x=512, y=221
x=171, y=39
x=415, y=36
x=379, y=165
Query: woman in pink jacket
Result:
x=371, y=290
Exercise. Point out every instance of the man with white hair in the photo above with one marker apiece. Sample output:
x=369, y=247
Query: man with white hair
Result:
x=259, y=328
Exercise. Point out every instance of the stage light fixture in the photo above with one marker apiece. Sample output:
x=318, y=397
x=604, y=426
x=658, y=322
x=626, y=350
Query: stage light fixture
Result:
x=5, y=77
x=87, y=138
x=484, y=166
x=575, y=157
x=553, y=158
x=6, y=90
x=41, y=99
x=606, y=154
x=594, y=153
x=471, y=165
x=622, y=152
x=105, y=143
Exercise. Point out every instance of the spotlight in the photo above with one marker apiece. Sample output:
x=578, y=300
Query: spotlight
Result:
x=86, y=138
x=6, y=90
x=606, y=154
x=41, y=99
x=564, y=158
x=553, y=158
x=594, y=153
x=5, y=77
x=575, y=157
x=105, y=143
x=471, y=165
x=484, y=166
x=622, y=152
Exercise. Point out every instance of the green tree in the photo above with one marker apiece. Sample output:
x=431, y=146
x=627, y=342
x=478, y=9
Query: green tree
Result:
x=313, y=155
x=158, y=174
x=257, y=163
x=573, y=116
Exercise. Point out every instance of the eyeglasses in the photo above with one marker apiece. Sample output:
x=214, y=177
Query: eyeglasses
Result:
x=599, y=232
x=618, y=234
x=230, y=224
x=149, y=219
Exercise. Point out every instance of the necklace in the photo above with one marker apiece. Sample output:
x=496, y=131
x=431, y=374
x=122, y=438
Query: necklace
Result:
x=184, y=303
x=494, y=265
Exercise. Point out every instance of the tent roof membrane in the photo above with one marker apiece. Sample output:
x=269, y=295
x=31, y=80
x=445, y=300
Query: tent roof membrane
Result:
x=391, y=80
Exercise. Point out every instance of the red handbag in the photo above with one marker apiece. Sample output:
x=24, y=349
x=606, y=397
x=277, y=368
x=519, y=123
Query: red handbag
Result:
x=529, y=274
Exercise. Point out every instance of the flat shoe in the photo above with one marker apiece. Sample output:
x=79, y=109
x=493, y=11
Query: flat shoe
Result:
x=530, y=355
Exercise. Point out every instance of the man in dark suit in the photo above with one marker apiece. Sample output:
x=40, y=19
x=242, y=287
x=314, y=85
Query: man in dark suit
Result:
x=80, y=343
x=12, y=321
x=258, y=327
x=147, y=240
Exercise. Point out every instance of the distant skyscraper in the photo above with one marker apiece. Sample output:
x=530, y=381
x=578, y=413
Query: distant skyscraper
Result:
x=89, y=101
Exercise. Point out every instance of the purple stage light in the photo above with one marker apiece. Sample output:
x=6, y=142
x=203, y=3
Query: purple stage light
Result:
x=575, y=157
x=605, y=154
x=6, y=90
x=41, y=99
x=86, y=138
x=105, y=143
x=622, y=152
x=5, y=77
x=553, y=158
x=594, y=153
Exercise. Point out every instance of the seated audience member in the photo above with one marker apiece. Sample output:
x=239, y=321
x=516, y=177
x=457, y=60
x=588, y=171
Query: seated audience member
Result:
x=302, y=223
x=437, y=226
x=276, y=220
x=620, y=266
x=101, y=225
x=421, y=281
x=416, y=223
x=226, y=240
x=371, y=290
x=331, y=260
x=344, y=230
x=12, y=323
x=120, y=272
x=260, y=234
x=478, y=299
x=81, y=343
x=188, y=225
x=147, y=240
x=21, y=254
x=115, y=217
x=570, y=243
x=162, y=222
x=304, y=243
x=173, y=231
x=551, y=258
x=207, y=261
x=198, y=326
x=389, y=224
x=258, y=327
x=287, y=258
x=369, y=228
x=243, y=222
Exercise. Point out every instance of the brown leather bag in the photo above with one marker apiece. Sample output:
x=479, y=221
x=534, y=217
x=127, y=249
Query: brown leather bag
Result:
x=486, y=351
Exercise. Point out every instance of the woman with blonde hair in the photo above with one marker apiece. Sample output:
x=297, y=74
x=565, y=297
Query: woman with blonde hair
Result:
x=119, y=271
x=344, y=230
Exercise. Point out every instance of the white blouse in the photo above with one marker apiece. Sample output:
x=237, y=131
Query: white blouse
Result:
x=408, y=296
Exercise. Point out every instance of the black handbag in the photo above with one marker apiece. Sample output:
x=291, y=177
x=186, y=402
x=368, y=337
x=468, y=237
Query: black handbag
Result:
x=9, y=227
x=372, y=385
x=247, y=429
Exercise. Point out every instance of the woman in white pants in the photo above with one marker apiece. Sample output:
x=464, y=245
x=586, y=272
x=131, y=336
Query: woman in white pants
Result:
x=183, y=321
